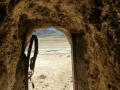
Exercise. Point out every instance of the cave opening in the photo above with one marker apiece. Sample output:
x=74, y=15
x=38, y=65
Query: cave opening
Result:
x=53, y=68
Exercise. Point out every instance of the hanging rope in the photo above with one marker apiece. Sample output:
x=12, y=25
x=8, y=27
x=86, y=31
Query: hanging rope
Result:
x=30, y=62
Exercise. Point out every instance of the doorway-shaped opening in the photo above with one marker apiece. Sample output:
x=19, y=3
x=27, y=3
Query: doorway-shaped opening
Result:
x=53, y=68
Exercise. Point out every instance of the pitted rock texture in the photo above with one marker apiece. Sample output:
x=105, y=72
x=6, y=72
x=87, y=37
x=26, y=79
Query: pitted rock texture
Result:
x=97, y=21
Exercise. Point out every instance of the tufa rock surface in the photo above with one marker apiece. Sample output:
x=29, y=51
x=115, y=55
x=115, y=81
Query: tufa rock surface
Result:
x=97, y=23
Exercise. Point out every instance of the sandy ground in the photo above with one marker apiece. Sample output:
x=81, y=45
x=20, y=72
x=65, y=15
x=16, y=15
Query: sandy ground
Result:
x=53, y=70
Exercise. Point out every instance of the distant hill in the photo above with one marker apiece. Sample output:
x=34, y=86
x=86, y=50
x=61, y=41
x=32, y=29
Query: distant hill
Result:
x=50, y=33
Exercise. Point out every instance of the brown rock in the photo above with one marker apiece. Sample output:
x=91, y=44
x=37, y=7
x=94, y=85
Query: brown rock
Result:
x=96, y=23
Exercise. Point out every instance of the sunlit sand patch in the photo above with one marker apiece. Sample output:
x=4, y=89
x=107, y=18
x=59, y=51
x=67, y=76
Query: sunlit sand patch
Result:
x=53, y=69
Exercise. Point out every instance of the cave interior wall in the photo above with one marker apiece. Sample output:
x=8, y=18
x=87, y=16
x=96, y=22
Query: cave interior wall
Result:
x=96, y=24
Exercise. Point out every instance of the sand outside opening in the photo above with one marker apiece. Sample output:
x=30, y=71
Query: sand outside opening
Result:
x=53, y=69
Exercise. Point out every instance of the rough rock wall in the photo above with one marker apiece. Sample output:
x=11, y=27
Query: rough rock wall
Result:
x=97, y=20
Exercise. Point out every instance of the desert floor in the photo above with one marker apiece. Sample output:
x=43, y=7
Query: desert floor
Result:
x=53, y=69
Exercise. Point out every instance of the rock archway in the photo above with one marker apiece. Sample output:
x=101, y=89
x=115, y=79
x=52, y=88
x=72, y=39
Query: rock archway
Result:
x=95, y=24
